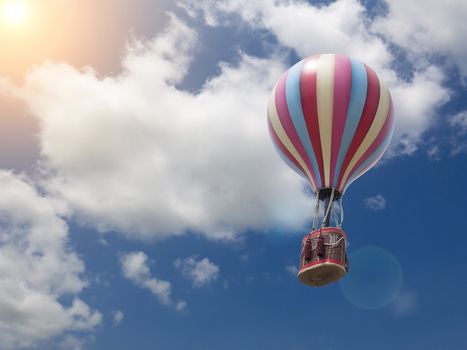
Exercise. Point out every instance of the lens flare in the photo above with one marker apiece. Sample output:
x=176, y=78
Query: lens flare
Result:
x=14, y=12
x=375, y=279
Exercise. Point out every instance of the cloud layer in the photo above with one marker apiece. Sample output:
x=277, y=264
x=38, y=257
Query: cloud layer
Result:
x=415, y=26
x=132, y=153
x=37, y=269
x=344, y=26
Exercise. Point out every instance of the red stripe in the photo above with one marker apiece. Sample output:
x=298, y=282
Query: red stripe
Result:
x=376, y=143
x=318, y=262
x=376, y=159
x=310, y=109
x=372, y=163
x=284, y=150
x=342, y=88
x=287, y=124
x=368, y=115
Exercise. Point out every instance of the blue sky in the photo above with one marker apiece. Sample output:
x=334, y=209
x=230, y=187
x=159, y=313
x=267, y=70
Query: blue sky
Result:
x=142, y=204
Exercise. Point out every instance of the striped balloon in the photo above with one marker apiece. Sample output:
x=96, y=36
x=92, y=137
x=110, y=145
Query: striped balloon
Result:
x=331, y=119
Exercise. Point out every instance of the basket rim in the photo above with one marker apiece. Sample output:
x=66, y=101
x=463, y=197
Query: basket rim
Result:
x=339, y=263
x=324, y=230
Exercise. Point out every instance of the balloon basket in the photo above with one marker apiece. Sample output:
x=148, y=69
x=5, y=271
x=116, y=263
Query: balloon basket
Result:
x=323, y=258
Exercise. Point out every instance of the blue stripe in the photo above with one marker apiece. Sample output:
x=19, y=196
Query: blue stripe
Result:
x=354, y=112
x=289, y=162
x=378, y=152
x=294, y=104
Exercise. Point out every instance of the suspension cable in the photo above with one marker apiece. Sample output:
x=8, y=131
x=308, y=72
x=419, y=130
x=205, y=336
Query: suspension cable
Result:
x=315, y=215
x=336, y=218
x=341, y=208
x=328, y=209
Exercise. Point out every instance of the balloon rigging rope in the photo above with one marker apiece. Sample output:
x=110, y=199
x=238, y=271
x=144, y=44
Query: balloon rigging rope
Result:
x=330, y=244
x=336, y=218
x=335, y=243
x=341, y=209
x=315, y=215
x=328, y=209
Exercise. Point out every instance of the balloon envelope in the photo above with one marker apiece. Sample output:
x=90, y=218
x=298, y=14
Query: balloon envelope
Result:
x=331, y=119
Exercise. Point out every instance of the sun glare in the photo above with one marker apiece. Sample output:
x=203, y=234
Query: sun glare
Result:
x=14, y=12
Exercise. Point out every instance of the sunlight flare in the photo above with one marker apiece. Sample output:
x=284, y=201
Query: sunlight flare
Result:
x=15, y=12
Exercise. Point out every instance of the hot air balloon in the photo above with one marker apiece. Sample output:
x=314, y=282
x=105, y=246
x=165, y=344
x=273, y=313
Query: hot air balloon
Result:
x=331, y=119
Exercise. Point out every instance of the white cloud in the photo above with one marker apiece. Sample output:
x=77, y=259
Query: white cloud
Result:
x=292, y=269
x=458, y=125
x=181, y=305
x=200, y=271
x=117, y=317
x=343, y=26
x=405, y=303
x=134, y=154
x=416, y=103
x=427, y=27
x=340, y=26
x=376, y=203
x=37, y=269
x=459, y=121
x=434, y=153
x=135, y=268
x=70, y=342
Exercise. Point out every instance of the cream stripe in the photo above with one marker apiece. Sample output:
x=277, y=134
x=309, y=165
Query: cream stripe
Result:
x=277, y=126
x=375, y=128
x=325, y=94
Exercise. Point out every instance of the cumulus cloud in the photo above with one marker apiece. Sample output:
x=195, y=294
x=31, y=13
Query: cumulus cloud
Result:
x=408, y=25
x=134, y=154
x=135, y=268
x=416, y=104
x=181, y=305
x=71, y=342
x=37, y=269
x=117, y=317
x=200, y=271
x=459, y=121
x=343, y=26
x=303, y=27
x=376, y=203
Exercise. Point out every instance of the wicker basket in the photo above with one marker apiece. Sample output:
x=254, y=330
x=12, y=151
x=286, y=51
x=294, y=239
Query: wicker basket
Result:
x=323, y=259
